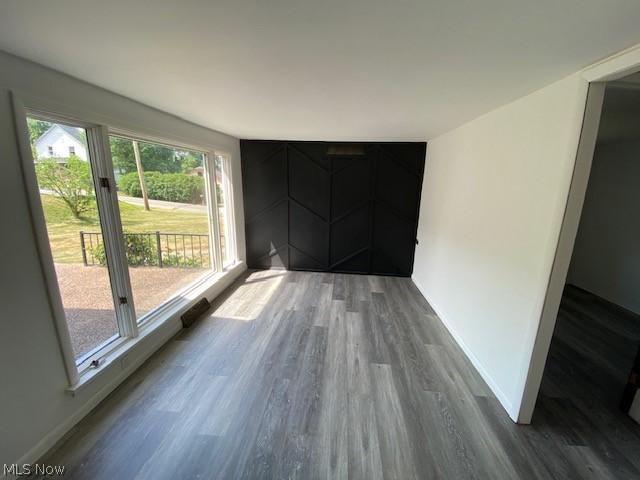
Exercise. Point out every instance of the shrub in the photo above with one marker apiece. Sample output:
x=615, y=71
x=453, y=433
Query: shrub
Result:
x=174, y=260
x=172, y=187
x=138, y=249
x=130, y=184
x=99, y=254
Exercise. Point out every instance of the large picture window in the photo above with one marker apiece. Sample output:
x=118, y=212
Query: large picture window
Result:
x=131, y=224
x=165, y=217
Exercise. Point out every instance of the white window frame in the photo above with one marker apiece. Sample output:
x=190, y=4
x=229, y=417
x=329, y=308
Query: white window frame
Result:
x=102, y=167
x=227, y=191
x=109, y=217
x=212, y=216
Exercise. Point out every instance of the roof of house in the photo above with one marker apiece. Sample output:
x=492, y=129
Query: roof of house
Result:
x=73, y=131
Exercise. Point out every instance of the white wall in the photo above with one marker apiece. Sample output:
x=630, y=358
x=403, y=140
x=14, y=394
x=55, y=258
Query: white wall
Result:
x=606, y=254
x=59, y=141
x=493, y=199
x=35, y=410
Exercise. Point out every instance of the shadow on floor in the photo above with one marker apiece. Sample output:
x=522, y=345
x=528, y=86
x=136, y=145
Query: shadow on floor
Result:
x=591, y=354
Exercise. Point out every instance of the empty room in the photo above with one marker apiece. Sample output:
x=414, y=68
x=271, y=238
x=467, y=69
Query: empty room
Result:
x=319, y=239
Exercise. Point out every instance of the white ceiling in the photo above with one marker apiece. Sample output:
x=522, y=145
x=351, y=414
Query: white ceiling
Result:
x=320, y=69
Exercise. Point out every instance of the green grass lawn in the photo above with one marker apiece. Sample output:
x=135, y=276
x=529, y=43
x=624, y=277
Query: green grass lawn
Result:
x=64, y=229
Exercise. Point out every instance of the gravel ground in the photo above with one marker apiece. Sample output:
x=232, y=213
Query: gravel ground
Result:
x=87, y=300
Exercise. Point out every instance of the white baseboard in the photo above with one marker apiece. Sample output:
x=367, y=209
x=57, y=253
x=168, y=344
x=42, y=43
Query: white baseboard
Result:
x=502, y=398
x=161, y=335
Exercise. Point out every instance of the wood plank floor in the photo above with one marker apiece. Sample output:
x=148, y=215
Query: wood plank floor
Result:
x=315, y=375
x=592, y=351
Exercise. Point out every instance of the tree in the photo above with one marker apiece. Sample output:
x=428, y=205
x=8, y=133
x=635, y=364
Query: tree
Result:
x=154, y=158
x=71, y=182
x=189, y=161
x=36, y=129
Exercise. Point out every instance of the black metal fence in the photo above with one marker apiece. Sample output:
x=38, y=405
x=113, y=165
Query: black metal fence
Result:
x=157, y=249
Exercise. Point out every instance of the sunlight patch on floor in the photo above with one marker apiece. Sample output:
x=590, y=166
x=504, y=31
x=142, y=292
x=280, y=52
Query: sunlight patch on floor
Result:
x=248, y=300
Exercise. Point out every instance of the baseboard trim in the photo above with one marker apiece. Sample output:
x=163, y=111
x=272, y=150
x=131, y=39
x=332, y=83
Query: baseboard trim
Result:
x=162, y=335
x=608, y=303
x=502, y=398
x=156, y=339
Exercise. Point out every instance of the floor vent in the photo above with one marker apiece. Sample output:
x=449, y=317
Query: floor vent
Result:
x=190, y=316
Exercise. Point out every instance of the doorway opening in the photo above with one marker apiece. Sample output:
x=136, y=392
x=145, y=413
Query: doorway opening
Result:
x=586, y=384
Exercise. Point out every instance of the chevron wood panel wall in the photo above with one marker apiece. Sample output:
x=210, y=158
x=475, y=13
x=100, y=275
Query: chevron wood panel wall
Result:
x=325, y=206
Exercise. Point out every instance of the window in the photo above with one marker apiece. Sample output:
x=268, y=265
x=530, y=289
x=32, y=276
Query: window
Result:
x=165, y=218
x=67, y=194
x=124, y=245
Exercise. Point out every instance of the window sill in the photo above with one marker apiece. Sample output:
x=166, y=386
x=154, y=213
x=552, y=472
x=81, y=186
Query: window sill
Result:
x=165, y=317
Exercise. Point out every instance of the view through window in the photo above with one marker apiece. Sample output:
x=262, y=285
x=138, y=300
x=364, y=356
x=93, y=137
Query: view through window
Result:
x=67, y=192
x=164, y=218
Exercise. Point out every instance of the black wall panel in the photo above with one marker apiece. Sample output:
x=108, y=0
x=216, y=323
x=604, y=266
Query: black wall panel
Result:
x=332, y=206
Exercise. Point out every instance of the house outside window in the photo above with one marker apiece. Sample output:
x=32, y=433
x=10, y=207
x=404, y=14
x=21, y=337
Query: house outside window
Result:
x=170, y=253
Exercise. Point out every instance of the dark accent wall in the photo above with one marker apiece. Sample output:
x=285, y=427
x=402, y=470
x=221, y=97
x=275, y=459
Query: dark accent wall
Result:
x=328, y=206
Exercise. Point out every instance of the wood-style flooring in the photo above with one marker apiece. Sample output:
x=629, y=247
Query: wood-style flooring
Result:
x=318, y=375
x=592, y=351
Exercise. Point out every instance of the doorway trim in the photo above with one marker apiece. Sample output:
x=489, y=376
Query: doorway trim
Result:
x=612, y=68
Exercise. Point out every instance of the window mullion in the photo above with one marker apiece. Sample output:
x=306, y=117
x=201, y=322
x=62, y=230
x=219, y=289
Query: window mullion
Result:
x=113, y=237
x=230, y=221
x=214, y=226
